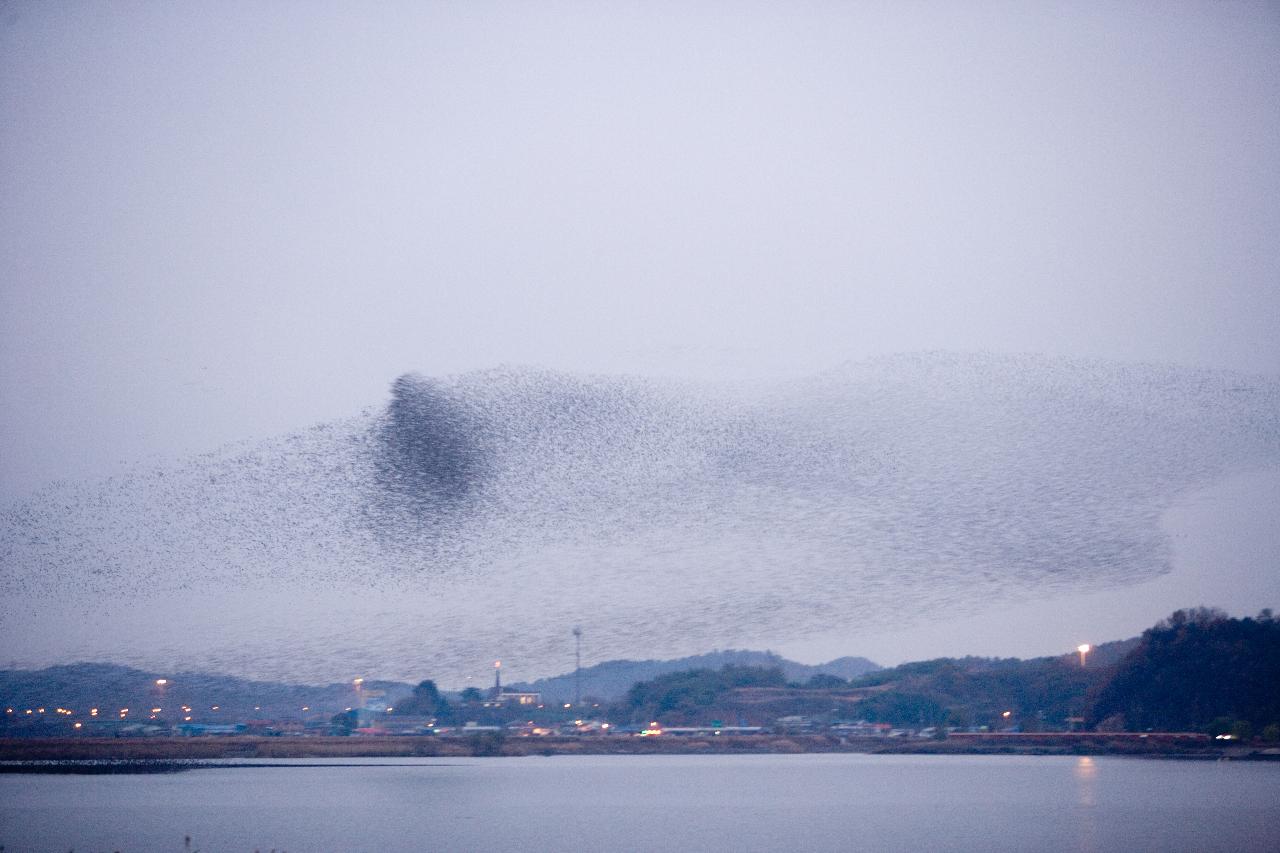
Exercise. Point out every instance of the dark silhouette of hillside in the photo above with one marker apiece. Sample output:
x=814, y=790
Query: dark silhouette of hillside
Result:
x=1197, y=670
x=1038, y=694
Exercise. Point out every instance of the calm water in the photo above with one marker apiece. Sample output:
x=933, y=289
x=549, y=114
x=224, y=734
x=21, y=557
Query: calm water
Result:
x=729, y=803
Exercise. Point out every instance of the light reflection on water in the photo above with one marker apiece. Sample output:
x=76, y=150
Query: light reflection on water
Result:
x=642, y=803
x=1086, y=774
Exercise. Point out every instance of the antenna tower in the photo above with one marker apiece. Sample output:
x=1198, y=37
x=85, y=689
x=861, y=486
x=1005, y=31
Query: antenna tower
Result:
x=577, y=666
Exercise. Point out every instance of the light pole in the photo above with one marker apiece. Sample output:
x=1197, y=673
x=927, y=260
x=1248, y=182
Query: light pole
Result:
x=1083, y=649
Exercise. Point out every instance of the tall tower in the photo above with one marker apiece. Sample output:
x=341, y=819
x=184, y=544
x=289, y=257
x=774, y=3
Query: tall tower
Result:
x=577, y=666
x=497, y=679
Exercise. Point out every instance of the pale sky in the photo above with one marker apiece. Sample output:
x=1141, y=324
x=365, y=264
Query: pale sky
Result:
x=229, y=220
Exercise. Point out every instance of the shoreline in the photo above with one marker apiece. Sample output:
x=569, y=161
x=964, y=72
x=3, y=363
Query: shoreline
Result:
x=117, y=754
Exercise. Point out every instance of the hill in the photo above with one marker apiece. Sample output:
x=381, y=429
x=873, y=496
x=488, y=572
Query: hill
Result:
x=1197, y=670
x=1038, y=693
x=611, y=680
x=1042, y=693
x=109, y=688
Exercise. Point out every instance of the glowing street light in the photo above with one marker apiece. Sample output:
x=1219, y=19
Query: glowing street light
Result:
x=1083, y=649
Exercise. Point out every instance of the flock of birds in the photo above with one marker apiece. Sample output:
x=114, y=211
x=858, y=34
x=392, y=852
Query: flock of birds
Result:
x=482, y=515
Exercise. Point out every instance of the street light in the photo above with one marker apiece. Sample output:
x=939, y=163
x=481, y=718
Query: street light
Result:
x=1083, y=649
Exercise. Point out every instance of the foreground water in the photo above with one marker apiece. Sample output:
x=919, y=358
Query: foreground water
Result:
x=717, y=803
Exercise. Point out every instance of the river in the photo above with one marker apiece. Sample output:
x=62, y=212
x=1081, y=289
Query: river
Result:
x=642, y=803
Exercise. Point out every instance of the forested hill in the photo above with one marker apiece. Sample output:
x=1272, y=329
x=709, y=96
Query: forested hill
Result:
x=1042, y=693
x=1197, y=670
x=612, y=679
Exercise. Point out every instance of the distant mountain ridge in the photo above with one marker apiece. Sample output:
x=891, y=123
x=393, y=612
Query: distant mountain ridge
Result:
x=610, y=680
x=110, y=687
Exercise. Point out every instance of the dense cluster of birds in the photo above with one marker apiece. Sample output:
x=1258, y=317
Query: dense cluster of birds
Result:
x=481, y=515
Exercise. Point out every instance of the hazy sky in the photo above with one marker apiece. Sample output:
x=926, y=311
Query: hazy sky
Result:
x=228, y=220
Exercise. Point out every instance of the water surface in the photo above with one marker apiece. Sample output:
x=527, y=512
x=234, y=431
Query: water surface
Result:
x=643, y=803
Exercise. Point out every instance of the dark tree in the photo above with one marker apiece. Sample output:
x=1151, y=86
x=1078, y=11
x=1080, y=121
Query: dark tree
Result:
x=425, y=701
